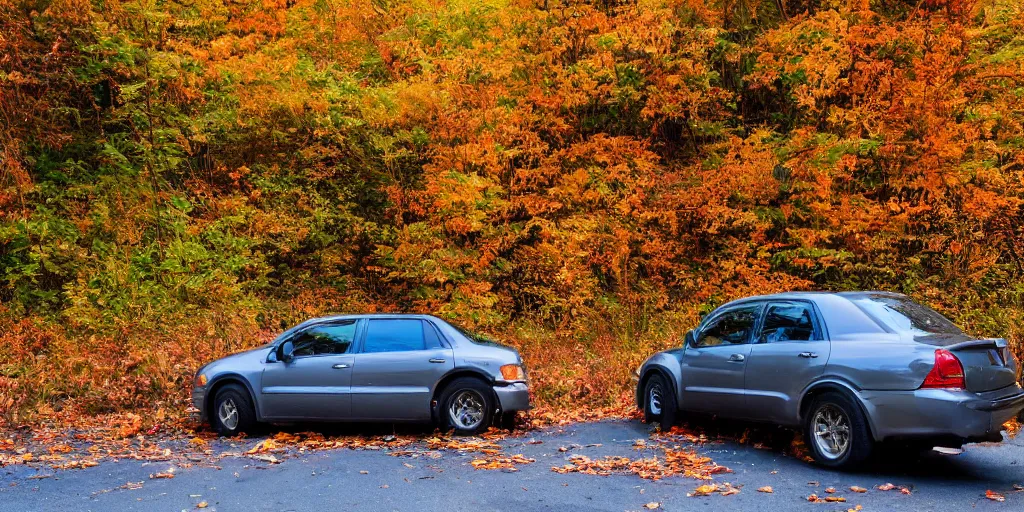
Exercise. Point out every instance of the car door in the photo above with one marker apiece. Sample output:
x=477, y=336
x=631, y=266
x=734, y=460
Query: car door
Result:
x=316, y=383
x=714, y=363
x=399, y=361
x=790, y=352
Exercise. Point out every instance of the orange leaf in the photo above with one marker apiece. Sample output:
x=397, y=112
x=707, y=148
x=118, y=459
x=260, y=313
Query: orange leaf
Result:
x=995, y=496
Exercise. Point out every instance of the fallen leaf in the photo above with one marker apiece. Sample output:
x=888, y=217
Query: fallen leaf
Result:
x=202, y=504
x=364, y=472
x=730, y=491
x=165, y=474
x=835, y=499
x=704, y=490
x=886, y=487
x=767, y=489
x=652, y=505
x=854, y=488
x=830, y=490
x=904, y=490
x=995, y=496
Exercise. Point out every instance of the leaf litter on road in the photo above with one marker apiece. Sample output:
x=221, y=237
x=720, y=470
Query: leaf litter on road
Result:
x=995, y=496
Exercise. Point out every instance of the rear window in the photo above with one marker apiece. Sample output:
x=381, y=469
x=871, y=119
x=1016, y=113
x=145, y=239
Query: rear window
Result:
x=456, y=331
x=904, y=315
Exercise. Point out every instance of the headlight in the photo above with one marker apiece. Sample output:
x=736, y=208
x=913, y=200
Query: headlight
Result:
x=200, y=380
x=513, y=372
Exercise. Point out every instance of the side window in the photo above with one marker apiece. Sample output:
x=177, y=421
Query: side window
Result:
x=431, y=336
x=325, y=339
x=398, y=335
x=730, y=328
x=787, y=322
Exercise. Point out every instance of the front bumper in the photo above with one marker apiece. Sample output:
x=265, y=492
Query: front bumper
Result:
x=513, y=397
x=198, y=401
x=926, y=413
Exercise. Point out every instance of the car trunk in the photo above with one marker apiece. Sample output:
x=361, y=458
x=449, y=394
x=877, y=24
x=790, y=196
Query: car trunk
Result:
x=988, y=363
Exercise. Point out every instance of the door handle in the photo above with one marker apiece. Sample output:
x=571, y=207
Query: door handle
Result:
x=436, y=360
x=808, y=355
x=736, y=358
x=340, y=366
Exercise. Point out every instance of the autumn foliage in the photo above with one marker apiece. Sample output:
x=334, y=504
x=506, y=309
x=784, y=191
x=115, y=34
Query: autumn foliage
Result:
x=183, y=179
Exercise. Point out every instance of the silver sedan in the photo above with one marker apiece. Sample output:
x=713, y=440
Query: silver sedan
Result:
x=374, y=368
x=850, y=369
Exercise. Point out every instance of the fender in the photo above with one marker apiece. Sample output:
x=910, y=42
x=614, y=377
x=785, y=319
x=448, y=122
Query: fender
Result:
x=834, y=382
x=668, y=364
x=229, y=377
x=450, y=375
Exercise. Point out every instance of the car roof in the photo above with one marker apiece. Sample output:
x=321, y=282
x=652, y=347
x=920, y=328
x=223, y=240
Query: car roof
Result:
x=842, y=317
x=815, y=296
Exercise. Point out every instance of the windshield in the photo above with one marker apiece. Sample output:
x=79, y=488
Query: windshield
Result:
x=904, y=315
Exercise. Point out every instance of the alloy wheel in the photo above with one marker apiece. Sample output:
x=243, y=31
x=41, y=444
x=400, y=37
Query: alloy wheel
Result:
x=466, y=409
x=831, y=427
x=228, y=414
x=654, y=400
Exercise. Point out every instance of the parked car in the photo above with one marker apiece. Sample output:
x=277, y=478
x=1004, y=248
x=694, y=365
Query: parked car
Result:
x=373, y=368
x=850, y=369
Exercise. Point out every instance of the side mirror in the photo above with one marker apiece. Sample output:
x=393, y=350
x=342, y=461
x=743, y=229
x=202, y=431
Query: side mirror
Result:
x=286, y=351
x=689, y=339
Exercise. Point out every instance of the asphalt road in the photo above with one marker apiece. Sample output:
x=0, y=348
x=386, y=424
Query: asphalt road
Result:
x=372, y=480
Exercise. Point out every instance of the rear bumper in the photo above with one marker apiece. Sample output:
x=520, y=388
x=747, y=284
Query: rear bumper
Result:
x=939, y=413
x=513, y=397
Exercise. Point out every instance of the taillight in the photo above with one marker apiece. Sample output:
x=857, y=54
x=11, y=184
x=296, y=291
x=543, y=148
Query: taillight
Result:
x=947, y=373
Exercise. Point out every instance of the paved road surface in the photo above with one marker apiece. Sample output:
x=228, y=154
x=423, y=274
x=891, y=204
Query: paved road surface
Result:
x=333, y=480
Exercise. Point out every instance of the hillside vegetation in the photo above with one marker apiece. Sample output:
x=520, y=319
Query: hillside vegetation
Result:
x=183, y=178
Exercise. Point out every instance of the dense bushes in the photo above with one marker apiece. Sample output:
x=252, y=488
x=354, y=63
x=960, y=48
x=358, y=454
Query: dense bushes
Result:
x=582, y=179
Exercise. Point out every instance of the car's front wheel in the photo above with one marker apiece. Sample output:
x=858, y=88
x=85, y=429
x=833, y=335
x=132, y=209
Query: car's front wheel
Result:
x=659, y=402
x=467, y=406
x=837, y=432
x=232, y=411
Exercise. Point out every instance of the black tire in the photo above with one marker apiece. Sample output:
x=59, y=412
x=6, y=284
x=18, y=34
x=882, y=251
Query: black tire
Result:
x=507, y=421
x=659, y=402
x=237, y=399
x=479, y=402
x=859, y=444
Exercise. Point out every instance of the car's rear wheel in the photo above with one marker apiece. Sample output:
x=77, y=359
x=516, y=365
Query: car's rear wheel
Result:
x=659, y=402
x=467, y=406
x=837, y=432
x=232, y=411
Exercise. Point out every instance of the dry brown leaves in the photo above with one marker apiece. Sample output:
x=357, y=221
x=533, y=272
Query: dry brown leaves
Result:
x=814, y=498
x=889, y=487
x=682, y=462
x=1012, y=427
x=502, y=463
x=995, y=496
x=768, y=489
x=725, y=489
x=464, y=445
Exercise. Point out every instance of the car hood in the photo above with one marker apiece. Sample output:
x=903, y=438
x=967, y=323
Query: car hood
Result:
x=254, y=355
